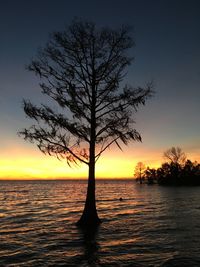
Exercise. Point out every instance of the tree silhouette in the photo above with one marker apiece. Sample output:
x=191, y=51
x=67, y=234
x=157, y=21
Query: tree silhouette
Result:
x=150, y=174
x=81, y=69
x=175, y=155
x=139, y=171
x=177, y=171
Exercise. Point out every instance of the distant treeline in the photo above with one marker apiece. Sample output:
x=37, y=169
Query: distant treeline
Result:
x=177, y=171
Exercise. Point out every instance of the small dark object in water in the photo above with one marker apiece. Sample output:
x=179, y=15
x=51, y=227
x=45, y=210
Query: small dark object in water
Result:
x=121, y=199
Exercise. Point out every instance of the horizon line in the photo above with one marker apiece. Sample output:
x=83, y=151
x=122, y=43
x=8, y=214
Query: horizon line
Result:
x=64, y=179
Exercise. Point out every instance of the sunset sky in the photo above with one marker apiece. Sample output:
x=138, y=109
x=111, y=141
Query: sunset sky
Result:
x=167, y=51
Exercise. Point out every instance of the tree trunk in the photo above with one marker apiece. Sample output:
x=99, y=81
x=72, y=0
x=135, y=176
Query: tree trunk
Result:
x=89, y=218
x=140, y=177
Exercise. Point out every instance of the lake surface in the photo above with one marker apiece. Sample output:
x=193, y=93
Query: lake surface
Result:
x=152, y=226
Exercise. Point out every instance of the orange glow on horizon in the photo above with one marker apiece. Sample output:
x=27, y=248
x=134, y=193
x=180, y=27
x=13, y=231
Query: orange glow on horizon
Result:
x=45, y=167
x=32, y=164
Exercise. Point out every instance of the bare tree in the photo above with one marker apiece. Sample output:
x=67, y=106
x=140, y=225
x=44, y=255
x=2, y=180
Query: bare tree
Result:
x=139, y=171
x=81, y=69
x=175, y=155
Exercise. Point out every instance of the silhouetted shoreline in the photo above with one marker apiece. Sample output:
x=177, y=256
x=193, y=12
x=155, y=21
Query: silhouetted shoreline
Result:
x=172, y=174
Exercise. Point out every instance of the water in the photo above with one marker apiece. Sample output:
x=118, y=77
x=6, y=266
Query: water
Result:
x=152, y=226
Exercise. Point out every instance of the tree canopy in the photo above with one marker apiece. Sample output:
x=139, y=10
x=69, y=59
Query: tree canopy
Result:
x=175, y=155
x=81, y=69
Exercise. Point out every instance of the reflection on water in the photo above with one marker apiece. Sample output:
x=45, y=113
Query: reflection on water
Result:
x=152, y=226
x=90, y=247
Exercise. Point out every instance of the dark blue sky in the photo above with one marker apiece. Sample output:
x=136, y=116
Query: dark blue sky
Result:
x=167, y=51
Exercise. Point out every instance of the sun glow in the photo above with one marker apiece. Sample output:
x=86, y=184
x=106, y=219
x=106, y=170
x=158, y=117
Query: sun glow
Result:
x=51, y=168
x=29, y=163
x=39, y=166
